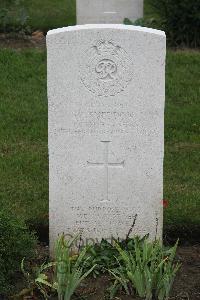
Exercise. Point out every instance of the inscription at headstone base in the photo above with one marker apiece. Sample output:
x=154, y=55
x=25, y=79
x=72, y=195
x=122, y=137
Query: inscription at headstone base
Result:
x=106, y=94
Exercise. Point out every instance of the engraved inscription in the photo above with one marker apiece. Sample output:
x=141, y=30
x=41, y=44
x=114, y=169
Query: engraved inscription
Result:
x=106, y=68
x=94, y=122
x=112, y=214
x=106, y=165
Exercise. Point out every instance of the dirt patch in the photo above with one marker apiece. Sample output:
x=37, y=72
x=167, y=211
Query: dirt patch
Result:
x=187, y=234
x=20, y=41
x=187, y=283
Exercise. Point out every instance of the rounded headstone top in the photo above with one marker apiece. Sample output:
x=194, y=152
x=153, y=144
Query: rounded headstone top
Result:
x=106, y=26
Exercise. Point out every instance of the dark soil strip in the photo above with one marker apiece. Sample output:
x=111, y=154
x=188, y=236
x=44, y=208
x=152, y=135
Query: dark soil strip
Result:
x=187, y=234
x=19, y=41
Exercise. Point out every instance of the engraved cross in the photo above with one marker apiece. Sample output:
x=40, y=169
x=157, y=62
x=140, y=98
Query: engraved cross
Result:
x=106, y=165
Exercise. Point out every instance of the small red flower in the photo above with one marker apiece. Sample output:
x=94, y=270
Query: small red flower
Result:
x=165, y=203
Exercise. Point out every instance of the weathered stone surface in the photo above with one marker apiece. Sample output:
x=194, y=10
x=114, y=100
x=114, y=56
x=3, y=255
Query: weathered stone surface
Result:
x=106, y=92
x=108, y=11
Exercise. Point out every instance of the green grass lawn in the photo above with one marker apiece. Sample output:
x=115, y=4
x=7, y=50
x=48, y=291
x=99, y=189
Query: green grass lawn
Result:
x=23, y=136
x=182, y=139
x=48, y=14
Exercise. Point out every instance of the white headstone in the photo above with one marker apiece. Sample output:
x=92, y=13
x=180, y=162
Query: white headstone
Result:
x=108, y=11
x=106, y=92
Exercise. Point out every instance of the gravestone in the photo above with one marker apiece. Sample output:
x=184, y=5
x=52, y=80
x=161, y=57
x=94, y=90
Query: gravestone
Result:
x=106, y=92
x=108, y=11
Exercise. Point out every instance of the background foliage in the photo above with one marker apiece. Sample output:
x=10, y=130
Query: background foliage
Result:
x=180, y=19
x=14, y=17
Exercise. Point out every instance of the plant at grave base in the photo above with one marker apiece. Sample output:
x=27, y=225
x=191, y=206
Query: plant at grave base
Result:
x=103, y=255
x=149, y=270
x=38, y=281
x=120, y=283
x=69, y=271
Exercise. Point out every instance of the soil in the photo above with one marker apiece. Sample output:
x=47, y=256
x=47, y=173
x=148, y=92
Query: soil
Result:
x=21, y=41
x=187, y=283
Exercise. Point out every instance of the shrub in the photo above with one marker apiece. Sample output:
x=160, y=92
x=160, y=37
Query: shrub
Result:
x=14, y=17
x=104, y=254
x=149, y=270
x=180, y=20
x=15, y=243
x=143, y=22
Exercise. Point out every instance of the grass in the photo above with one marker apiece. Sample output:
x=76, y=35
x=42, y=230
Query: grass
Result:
x=23, y=132
x=182, y=139
x=60, y=13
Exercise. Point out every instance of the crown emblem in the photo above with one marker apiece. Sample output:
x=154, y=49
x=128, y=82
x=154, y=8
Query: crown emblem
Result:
x=106, y=47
